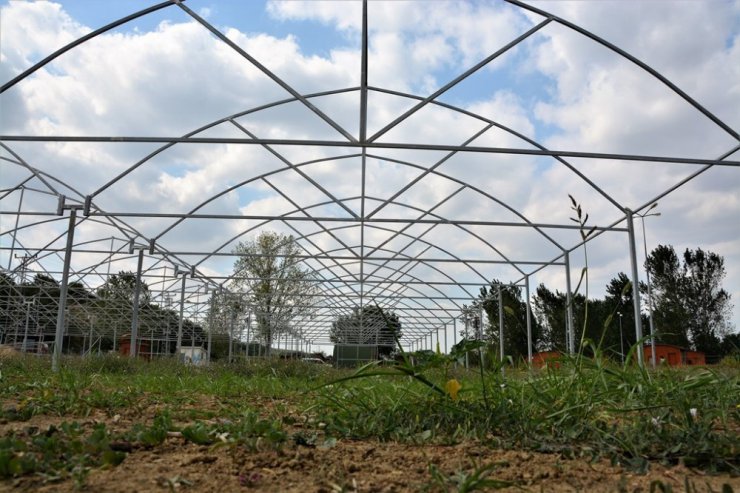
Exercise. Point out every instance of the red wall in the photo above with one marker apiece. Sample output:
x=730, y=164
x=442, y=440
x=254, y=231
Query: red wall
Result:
x=695, y=358
x=540, y=359
x=124, y=347
x=674, y=355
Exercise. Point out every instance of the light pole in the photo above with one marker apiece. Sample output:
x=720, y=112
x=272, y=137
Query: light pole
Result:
x=621, y=339
x=647, y=272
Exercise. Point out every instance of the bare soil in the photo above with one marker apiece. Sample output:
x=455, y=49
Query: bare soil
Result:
x=362, y=466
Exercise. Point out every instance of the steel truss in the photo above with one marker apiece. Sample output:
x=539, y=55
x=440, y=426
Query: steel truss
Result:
x=406, y=271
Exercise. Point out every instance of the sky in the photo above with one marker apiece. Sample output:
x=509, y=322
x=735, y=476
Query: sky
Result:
x=165, y=75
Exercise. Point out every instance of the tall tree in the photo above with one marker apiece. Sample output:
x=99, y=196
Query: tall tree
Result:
x=690, y=304
x=228, y=312
x=619, y=336
x=550, y=309
x=122, y=287
x=113, y=308
x=669, y=310
x=370, y=325
x=278, y=289
x=515, y=318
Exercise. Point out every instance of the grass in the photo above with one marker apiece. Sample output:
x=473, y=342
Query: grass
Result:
x=584, y=408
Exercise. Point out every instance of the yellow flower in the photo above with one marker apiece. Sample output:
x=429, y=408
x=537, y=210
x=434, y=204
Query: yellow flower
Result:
x=452, y=387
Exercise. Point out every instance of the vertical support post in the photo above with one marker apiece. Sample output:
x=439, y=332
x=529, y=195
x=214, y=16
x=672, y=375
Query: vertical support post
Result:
x=650, y=294
x=437, y=332
x=25, y=331
x=444, y=328
x=180, y=322
x=467, y=322
x=635, y=286
x=107, y=278
x=59, y=335
x=90, y=346
x=569, y=337
x=529, y=320
x=231, y=336
x=482, y=334
x=249, y=335
x=40, y=336
x=15, y=336
x=500, y=323
x=210, y=322
x=135, y=316
x=454, y=335
x=363, y=76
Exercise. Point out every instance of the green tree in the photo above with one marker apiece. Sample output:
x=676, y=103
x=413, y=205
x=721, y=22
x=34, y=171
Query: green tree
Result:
x=669, y=309
x=550, y=309
x=620, y=335
x=44, y=280
x=112, y=311
x=277, y=289
x=690, y=304
x=369, y=325
x=731, y=345
x=228, y=311
x=515, y=319
x=122, y=287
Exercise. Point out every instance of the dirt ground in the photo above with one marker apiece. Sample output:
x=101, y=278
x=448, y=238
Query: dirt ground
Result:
x=362, y=466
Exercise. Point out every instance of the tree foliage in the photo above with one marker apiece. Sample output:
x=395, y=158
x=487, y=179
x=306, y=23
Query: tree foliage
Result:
x=604, y=325
x=122, y=287
x=690, y=305
x=277, y=289
x=619, y=334
x=371, y=325
x=515, y=319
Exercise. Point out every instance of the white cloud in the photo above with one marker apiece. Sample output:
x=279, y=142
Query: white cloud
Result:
x=408, y=38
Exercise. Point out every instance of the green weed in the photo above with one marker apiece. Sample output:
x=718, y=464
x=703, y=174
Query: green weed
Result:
x=465, y=481
x=58, y=452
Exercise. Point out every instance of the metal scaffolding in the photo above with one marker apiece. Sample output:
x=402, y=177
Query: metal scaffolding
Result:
x=363, y=249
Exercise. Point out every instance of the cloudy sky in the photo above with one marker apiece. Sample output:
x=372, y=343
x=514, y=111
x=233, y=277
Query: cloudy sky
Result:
x=166, y=75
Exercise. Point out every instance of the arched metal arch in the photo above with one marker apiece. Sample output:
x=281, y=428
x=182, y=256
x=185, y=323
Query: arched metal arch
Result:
x=114, y=219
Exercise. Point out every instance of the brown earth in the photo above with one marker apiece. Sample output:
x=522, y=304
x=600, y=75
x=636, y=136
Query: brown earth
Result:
x=362, y=466
x=7, y=351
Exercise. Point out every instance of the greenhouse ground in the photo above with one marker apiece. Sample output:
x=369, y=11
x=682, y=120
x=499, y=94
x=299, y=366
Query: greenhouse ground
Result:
x=118, y=425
